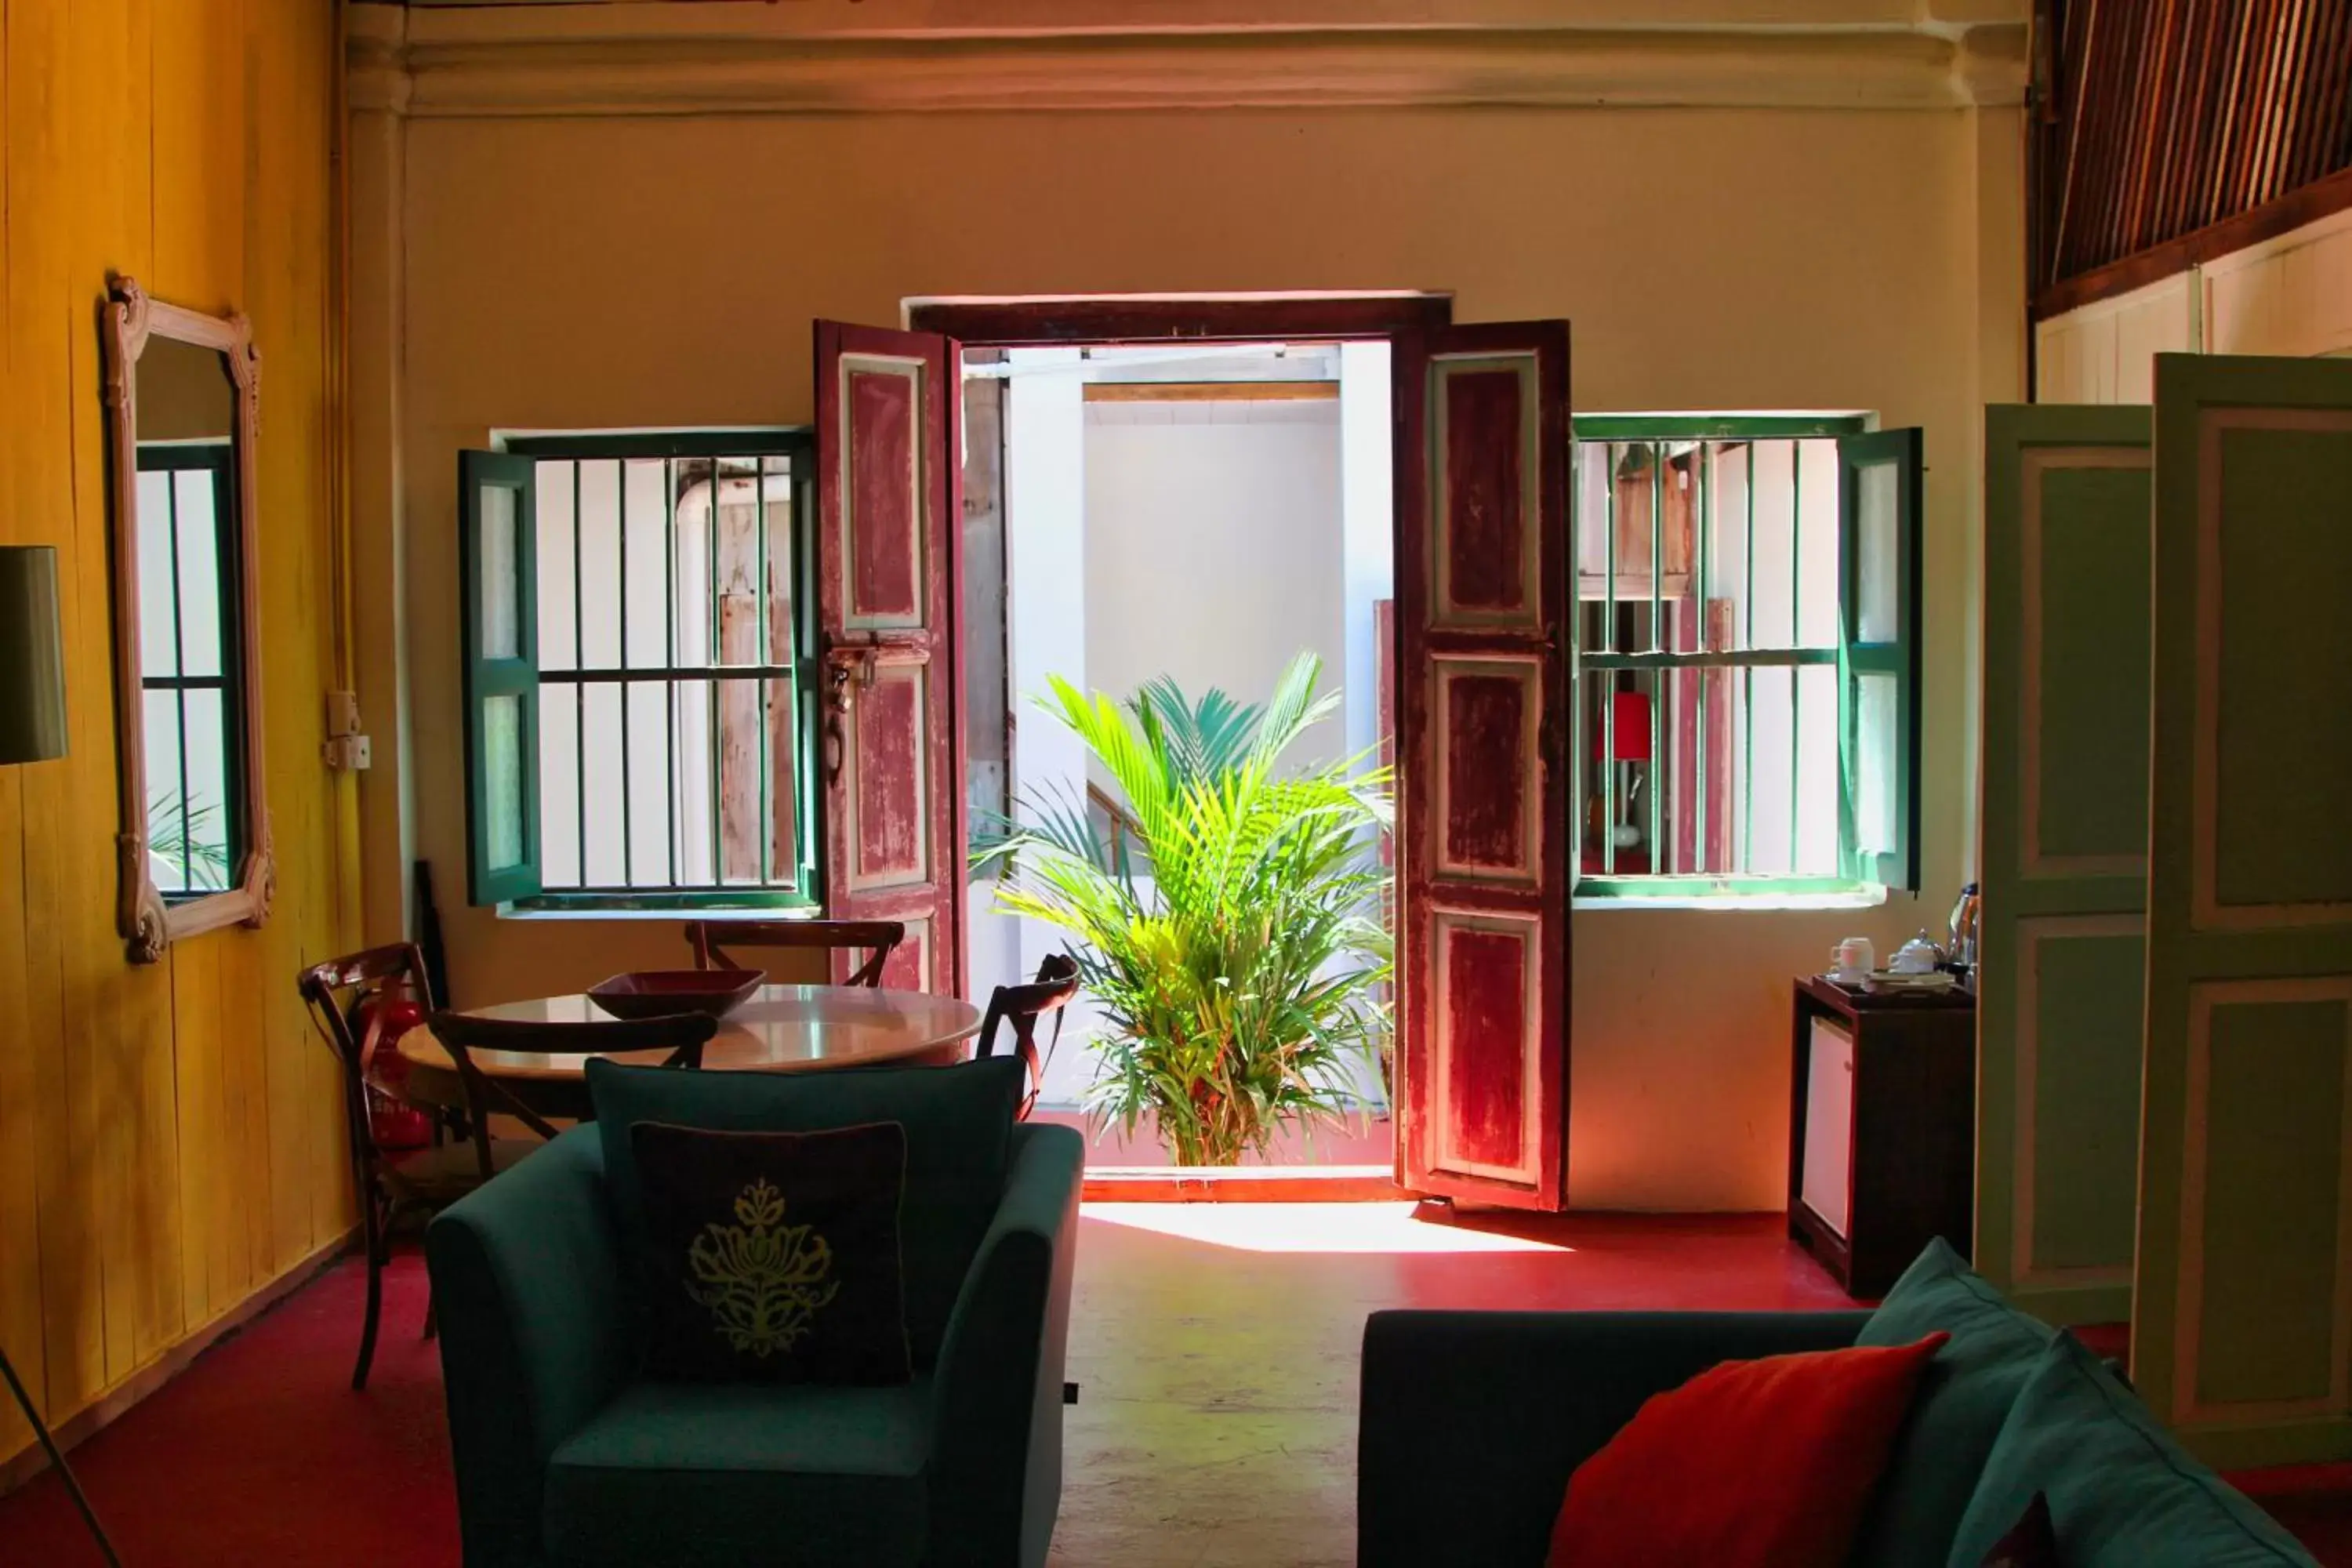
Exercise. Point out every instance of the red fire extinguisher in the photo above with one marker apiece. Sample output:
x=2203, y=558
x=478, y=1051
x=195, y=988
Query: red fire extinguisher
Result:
x=394, y=1122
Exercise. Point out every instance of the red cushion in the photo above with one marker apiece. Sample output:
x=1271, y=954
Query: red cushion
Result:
x=1751, y=1464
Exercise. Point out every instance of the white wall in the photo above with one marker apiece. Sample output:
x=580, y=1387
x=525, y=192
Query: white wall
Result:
x=2290, y=296
x=1368, y=524
x=1213, y=548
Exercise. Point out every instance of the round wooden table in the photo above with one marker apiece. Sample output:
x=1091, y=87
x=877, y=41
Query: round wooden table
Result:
x=782, y=1028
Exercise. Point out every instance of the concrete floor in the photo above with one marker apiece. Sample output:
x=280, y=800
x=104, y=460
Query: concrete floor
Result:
x=1216, y=1347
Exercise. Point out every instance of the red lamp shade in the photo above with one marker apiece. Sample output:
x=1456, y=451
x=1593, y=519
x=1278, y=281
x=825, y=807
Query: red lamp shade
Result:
x=1633, y=738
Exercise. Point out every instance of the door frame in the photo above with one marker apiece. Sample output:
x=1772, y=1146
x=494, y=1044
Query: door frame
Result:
x=1010, y=321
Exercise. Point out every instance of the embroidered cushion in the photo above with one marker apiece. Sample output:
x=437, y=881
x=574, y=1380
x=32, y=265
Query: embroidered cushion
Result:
x=959, y=1122
x=773, y=1256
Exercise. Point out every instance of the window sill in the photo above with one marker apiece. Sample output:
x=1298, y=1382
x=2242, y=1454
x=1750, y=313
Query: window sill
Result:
x=1865, y=896
x=560, y=908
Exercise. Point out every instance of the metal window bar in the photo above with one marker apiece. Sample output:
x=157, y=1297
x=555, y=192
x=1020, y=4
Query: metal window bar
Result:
x=1609, y=687
x=760, y=612
x=621, y=564
x=1747, y=697
x=1665, y=662
x=1657, y=641
x=1796, y=635
x=1701, y=523
x=670, y=845
x=717, y=750
x=579, y=693
x=711, y=461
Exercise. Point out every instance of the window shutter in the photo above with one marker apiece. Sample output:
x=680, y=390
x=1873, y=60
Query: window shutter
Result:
x=498, y=536
x=1482, y=614
x=1878, y=657
x=890, y=482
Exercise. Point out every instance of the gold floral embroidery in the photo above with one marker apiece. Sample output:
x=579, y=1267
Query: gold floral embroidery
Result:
x=764, y=1281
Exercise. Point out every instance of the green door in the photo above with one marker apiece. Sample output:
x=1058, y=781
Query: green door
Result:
x=2063, y=855
x=2241, y=1329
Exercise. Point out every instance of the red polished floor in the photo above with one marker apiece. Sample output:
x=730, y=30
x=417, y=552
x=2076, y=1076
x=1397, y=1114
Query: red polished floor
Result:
x=1217, y=1344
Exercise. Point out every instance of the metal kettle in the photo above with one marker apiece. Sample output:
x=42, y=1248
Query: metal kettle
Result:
x=1967, y=915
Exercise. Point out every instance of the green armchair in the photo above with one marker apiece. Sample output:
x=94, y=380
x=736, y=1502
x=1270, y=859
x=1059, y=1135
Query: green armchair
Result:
x=565, y=1459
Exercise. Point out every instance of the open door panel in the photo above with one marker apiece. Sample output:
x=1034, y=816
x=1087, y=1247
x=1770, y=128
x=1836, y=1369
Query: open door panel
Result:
x=888, y=570
x=2241, y=1309
x=1483, y=808
x=2062, y=955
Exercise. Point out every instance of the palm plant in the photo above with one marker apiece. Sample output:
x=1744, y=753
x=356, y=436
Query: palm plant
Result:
x=1241, y=966
x=187, y=839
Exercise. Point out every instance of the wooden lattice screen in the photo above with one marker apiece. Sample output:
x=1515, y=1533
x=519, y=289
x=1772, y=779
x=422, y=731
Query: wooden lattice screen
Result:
x=2158, y=120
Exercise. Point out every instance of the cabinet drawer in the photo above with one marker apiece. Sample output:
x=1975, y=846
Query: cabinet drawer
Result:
x=1828, y=1125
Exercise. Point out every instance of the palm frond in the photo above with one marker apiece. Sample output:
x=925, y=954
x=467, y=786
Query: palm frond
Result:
x=1241, y=978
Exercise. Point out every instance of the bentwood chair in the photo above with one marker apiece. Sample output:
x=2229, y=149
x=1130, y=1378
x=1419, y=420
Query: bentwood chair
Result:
x=1022, y=1007
x=488, y=1093
x=347, y=998
x=711, y=939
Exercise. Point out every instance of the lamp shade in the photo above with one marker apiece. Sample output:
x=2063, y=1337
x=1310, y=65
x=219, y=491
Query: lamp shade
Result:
x=1632, y=726
x=32, y=655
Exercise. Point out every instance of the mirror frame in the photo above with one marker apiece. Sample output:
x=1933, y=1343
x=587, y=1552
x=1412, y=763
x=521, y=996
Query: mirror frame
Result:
x=147, y=923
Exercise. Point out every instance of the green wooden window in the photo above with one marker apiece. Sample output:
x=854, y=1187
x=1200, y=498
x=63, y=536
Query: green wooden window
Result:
x=1748, y=655
x=189, y=638
x=640, y=719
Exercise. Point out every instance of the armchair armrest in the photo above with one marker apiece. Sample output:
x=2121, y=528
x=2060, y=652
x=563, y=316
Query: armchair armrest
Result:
x=996, y=1460
x=1472, y=1421
x=534, y=1333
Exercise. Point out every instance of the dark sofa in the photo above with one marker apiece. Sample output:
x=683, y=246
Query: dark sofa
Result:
x=1471, y=1423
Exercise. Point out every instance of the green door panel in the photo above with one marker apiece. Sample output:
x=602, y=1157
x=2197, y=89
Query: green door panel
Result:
x=2086, y=975
x=2241, y=1328
x=2275, y=1088
x=2061, y=859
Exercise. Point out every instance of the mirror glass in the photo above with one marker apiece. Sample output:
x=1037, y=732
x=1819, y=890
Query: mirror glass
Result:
x=186, y=426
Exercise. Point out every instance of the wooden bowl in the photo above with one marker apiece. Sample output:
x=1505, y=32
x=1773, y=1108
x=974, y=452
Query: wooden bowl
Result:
x=665, y=993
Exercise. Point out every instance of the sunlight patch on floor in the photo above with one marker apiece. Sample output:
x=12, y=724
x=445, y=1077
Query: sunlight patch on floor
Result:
x=1310, y=1227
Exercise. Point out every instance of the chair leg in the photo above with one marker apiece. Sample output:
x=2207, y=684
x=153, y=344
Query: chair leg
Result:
x=375, y=1301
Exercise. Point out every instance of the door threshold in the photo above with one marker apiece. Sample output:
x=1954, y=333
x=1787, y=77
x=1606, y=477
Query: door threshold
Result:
x=1243, y=1185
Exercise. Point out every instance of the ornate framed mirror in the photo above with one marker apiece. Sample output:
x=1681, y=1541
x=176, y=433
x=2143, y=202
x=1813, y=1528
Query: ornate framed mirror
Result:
x=182, y=397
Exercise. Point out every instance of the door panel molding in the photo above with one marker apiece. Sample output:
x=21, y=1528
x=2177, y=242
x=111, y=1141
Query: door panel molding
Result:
x=2209, y=910
x=2243, y=1284
x=1483, y=877
x=2052, y=477
x=888, y=595
x=2205, y=999
x=2037, y=465
x=2029, y=1276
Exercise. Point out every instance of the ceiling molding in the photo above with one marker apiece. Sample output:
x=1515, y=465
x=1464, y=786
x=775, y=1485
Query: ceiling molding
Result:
x=635, y=59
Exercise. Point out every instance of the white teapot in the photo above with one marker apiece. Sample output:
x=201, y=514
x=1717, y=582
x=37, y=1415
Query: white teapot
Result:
x=1917, y=956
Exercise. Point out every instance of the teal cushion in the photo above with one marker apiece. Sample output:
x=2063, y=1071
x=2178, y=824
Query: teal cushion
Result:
x=680, y=1474
x=1957, y=1412
x=2121, y=1493
x=959, y=1122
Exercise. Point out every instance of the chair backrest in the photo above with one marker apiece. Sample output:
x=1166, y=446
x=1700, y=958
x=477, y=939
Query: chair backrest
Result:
x=336, y=992
x=711, y=939
x=1022, y=1007
x=683, y=1036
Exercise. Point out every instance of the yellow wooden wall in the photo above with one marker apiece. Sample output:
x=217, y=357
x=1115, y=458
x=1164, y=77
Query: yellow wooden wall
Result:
x=169, y=1138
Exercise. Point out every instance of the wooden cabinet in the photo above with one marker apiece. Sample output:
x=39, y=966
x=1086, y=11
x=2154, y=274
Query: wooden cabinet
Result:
x=1882, y=1129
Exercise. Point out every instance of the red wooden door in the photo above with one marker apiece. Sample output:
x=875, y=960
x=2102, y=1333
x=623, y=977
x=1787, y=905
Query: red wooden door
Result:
x=1483, y=690
x=888, y=548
